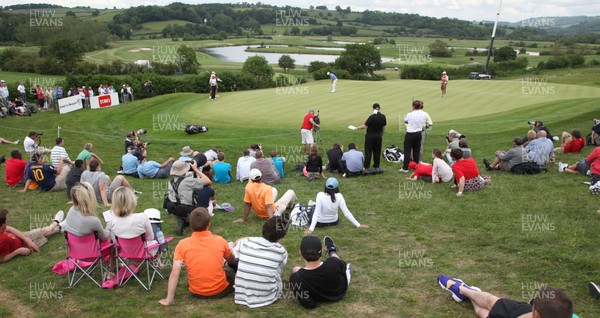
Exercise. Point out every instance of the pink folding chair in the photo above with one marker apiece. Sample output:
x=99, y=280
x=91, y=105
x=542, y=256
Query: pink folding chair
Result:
x=86, y=249
x=134, y=256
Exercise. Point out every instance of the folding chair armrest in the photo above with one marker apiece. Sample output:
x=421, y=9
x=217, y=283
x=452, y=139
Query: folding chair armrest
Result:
x=109, y=246
x=149, y=247
x=168, y=239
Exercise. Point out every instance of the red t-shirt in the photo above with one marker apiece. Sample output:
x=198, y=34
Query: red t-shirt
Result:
x=39, y=93
x=9, y=243
x=594, y=160
x=15, y=170
x=574, y=146
x=465, y=168
x=423, y=170
x=307, y=124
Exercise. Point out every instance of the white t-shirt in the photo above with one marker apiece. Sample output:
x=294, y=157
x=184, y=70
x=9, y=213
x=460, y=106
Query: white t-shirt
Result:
x=415, y=121
x=243, y=168
x=21, y=89
x=29, y=145
x=327, y=211
x=442, y=170
x=131, y=226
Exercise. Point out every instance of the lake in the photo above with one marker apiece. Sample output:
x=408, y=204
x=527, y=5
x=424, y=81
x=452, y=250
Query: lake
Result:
x=239, y=55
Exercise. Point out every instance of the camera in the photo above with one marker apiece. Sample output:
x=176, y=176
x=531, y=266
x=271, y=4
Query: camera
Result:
x=596, y=121
x=141, y=131
x=532, y=122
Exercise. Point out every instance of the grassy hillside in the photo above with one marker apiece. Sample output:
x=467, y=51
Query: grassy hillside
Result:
x=417, y=230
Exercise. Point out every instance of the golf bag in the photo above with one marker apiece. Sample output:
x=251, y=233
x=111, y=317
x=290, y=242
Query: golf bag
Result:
x=301, y=215
x=393, y=154
x=195, y=129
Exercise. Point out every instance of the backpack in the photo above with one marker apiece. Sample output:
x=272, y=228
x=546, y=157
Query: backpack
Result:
x=527, y=168
x=195, y=129
x=393, y=154
x=177, y=208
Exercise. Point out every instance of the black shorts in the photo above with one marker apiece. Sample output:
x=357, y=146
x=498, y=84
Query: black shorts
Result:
x=583, y=168
x=508, y=308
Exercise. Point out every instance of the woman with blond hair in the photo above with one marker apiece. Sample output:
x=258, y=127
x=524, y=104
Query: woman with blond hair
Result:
x=82, y=219
x=124, y=223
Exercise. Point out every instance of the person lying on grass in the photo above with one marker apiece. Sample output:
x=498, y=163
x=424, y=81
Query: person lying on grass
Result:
x=548, y=302
x=14, y=242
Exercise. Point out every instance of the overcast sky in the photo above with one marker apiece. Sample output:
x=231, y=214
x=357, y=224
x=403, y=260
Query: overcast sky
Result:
x=511, y=11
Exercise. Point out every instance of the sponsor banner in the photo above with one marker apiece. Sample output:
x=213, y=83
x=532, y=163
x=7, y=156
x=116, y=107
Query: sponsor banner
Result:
x=104, y=100
x=69, y=104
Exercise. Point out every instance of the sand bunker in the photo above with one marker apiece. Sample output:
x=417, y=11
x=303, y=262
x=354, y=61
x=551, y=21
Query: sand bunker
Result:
x=140, y=49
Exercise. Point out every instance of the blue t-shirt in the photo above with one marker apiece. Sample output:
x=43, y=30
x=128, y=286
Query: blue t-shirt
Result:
x=278, y=162
x=222, y=172
x=130, y=163
x=332, y=76
x=148, y=169
x=44, y=175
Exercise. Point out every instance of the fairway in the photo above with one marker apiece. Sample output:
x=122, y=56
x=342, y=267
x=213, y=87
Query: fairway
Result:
x=519, y=233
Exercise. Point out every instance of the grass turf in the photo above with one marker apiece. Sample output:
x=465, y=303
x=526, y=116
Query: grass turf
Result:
x=517, y=234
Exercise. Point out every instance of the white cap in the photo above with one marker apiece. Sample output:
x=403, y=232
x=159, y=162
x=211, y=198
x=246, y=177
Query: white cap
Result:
x=255, y=174
x=444, y=72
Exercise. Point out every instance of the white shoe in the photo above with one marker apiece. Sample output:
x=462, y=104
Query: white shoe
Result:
x=16, y=142
x=562, y=166
x=59, y=216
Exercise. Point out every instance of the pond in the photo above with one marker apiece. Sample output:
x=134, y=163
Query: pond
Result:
x=239, y=55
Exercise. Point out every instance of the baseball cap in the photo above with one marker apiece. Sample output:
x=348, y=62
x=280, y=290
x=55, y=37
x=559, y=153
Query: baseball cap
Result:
x=331, y=183
x=462, y=142
x=376, y=106
x=327, y=73
x=311, y=243
x=412, y=165
x=153, y=215
x=311, y=110
x=255, y=174
x=2, y=81
x=444, y=72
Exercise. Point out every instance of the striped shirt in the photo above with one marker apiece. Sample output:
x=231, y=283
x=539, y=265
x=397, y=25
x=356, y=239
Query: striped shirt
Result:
x=57, y=153
x=258, y=278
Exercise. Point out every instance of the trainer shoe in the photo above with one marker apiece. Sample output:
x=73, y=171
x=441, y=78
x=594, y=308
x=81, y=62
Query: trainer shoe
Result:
x=487, y=163
x=453, y=286
x=562, y=166
x=403, y=170
x=331, y=248
x=594, y=290
x=137, y=192
x=17, y=142
x=59, y=217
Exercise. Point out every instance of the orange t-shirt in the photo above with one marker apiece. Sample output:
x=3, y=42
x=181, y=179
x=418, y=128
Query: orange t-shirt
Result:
x=259, y=195
x=203, y=255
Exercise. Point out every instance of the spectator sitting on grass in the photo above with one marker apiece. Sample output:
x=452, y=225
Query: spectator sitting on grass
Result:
x=243, y=166
x=541, y=150
x=202, y=254
x=314, y=165
x=221, y=170
x=441, y=171
x=59, y=152
x=352, y=161
x=261, y=198
x=334, y=155
x=267, y=169
x=506, y=160
x=130, y=162
x=15, y=169
x=570, y=143
x=14, y=242
x=47, y=178
x=531, y=135
x=548, y=302
x=87, y=154
x=279, y=162
x=103, y=187
x=467, y=152
x=466, y=174
x=329, y=202
x=260, y=264
x=319, y=281
x=581, y=167
x=74, y=176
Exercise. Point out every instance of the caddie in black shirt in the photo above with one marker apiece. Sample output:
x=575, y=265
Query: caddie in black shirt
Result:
x=375, y=126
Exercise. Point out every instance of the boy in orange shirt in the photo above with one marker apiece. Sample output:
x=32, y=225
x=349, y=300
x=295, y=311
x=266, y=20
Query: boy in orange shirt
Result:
x=202, y=255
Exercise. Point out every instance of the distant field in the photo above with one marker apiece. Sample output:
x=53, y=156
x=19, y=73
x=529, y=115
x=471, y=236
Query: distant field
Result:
x=156, y=28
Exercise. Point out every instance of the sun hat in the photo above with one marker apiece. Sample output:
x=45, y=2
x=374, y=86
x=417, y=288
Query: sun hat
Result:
x=153, y=215
x=227, y=207
x=186, y=151
x=180, y=168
